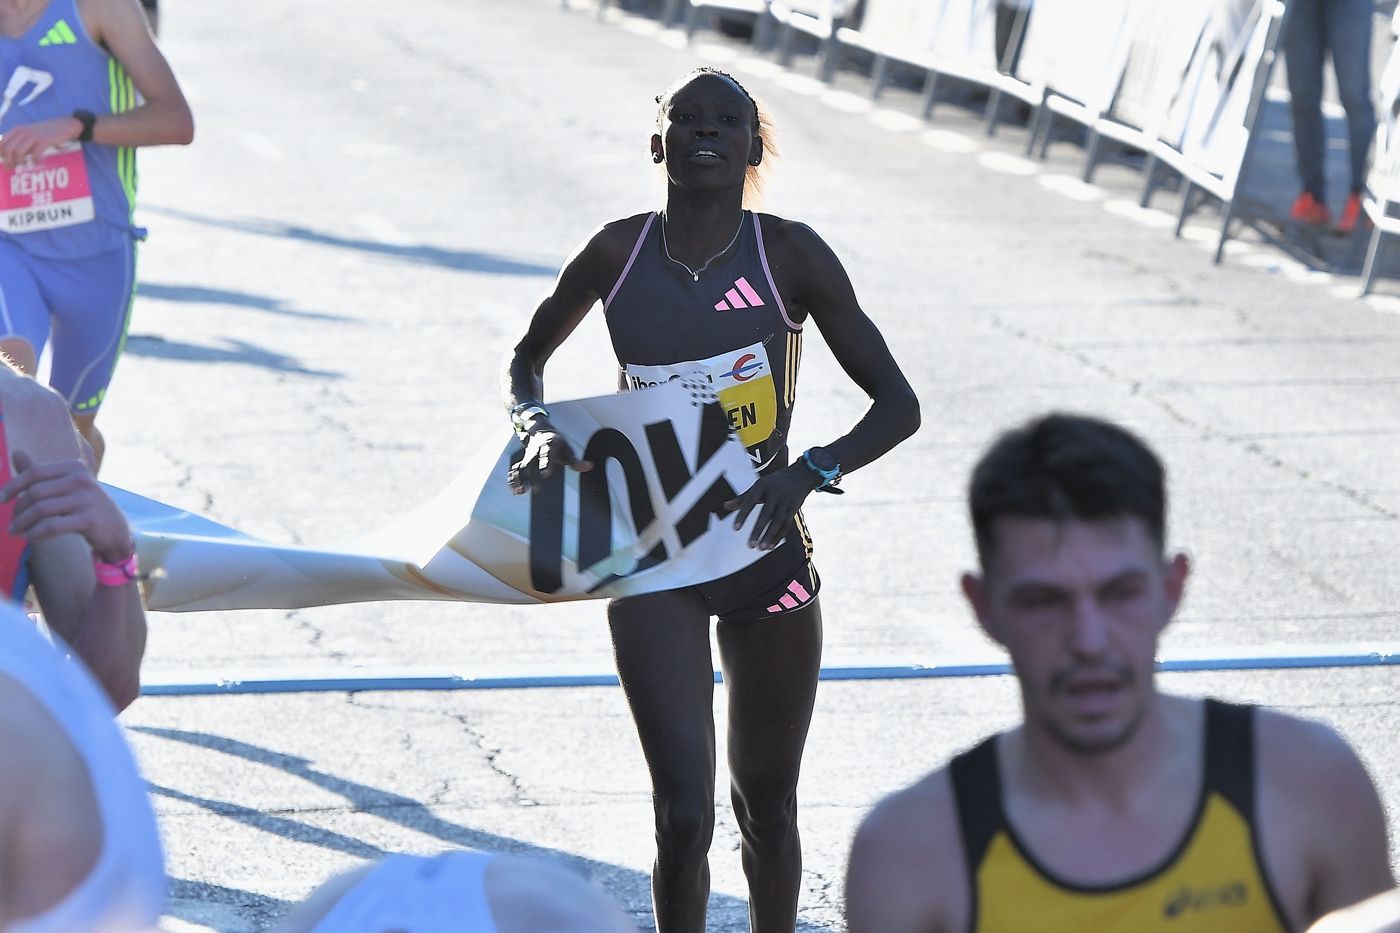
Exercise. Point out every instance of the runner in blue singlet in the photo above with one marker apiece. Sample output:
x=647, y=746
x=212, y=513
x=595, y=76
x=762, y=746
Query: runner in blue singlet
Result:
x=706, y=287
x=81, y=85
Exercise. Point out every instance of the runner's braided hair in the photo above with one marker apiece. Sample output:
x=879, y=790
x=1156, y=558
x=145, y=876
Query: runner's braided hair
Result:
x=756, y=175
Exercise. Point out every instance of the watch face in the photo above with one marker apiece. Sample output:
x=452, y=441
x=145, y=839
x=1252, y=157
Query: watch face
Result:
x=823, y=459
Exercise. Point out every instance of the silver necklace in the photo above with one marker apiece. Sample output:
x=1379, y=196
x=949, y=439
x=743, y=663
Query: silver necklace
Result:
x=695, y=273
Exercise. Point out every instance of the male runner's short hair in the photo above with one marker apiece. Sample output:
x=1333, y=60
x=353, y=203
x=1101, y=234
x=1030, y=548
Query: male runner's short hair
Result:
x=1062, y=467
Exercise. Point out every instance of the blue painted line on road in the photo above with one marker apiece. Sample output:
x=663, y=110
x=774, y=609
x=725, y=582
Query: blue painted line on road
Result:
x=1320, y=656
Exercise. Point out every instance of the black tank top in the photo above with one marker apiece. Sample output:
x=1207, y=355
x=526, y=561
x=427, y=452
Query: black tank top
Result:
x=726, y=323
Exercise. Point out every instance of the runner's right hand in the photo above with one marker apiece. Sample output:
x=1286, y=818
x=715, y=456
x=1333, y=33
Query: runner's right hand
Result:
x=545, y=449
x=28, y=143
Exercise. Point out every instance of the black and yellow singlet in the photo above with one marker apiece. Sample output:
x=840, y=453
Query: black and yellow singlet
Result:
x=1213, y=883
x=725, y=323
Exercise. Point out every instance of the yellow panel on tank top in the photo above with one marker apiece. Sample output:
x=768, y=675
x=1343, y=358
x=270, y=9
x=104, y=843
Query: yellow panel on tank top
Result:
x=752, y=409
x=1213, y=887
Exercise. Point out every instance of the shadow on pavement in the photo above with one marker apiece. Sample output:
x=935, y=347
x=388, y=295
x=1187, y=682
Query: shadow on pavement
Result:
x=234, y=351
x=197, y=294
x=459, y=260
x=188, y=901
x=629, y=886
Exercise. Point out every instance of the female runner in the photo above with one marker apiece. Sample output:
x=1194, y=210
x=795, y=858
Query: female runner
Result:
x=708, y=286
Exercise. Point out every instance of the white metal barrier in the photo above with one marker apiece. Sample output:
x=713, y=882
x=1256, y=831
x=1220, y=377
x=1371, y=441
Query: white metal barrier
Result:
x=1183, y=80
x=1379, y=198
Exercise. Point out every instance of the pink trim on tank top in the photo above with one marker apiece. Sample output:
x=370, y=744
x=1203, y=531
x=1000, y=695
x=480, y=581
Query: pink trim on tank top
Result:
x=763, y=258
x=637, y=248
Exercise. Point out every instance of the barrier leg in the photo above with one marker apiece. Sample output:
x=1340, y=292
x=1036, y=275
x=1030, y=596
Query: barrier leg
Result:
x=785, y=32
x=1149, y=179
x=1091, y=155
x=670, y=12
x=993, y=114
x=1188, y=188
x=764, y=30
x=930, y=94
x=1368, y=272
x=1049, y=129
x=1040, y=121
x=827, y=66
x=602, y=8
x=1227, y=212
x=692, y=20
x=878, y=73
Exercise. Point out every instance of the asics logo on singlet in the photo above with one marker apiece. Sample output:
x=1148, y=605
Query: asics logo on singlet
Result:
x=742, y=295
x=1190, y=900
x=59, y=34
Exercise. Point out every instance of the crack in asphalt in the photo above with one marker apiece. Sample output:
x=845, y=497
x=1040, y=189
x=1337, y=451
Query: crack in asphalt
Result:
x=303, y=622
x=1207, y=432
x=493, y=755
x=519, y=794
x=823, y=890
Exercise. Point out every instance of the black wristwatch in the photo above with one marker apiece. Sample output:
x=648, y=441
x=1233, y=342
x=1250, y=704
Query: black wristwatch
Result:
x=821, y=462
x=88, y=119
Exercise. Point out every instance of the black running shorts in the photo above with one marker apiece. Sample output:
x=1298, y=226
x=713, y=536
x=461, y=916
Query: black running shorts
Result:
x=780, y=581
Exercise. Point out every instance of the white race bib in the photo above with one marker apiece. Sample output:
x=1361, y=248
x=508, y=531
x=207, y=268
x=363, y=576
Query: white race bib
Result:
x=742, y=379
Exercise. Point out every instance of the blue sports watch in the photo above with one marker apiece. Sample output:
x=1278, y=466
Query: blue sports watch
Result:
x=820, y=461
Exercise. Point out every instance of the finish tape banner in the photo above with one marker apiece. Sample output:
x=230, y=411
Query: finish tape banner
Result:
x=645, y=518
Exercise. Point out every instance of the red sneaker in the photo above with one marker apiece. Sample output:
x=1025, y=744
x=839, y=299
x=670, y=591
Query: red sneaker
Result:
x=1352, y=214
x=1310, y=210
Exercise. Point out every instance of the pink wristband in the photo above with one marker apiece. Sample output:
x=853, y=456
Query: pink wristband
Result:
x=118, y=574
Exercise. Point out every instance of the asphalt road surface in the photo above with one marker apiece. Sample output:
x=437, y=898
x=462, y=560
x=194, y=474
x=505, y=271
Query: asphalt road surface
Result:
x=378, y=195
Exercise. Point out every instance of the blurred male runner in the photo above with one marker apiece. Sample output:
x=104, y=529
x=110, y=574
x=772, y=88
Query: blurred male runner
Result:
x=1112, y=806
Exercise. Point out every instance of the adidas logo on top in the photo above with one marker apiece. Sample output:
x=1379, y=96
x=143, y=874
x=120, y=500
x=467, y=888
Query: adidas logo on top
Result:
x=741, y=295
x=60, y=34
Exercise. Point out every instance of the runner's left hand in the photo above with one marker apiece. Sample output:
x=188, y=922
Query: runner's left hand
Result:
x=29, y=142
x=780, y=494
